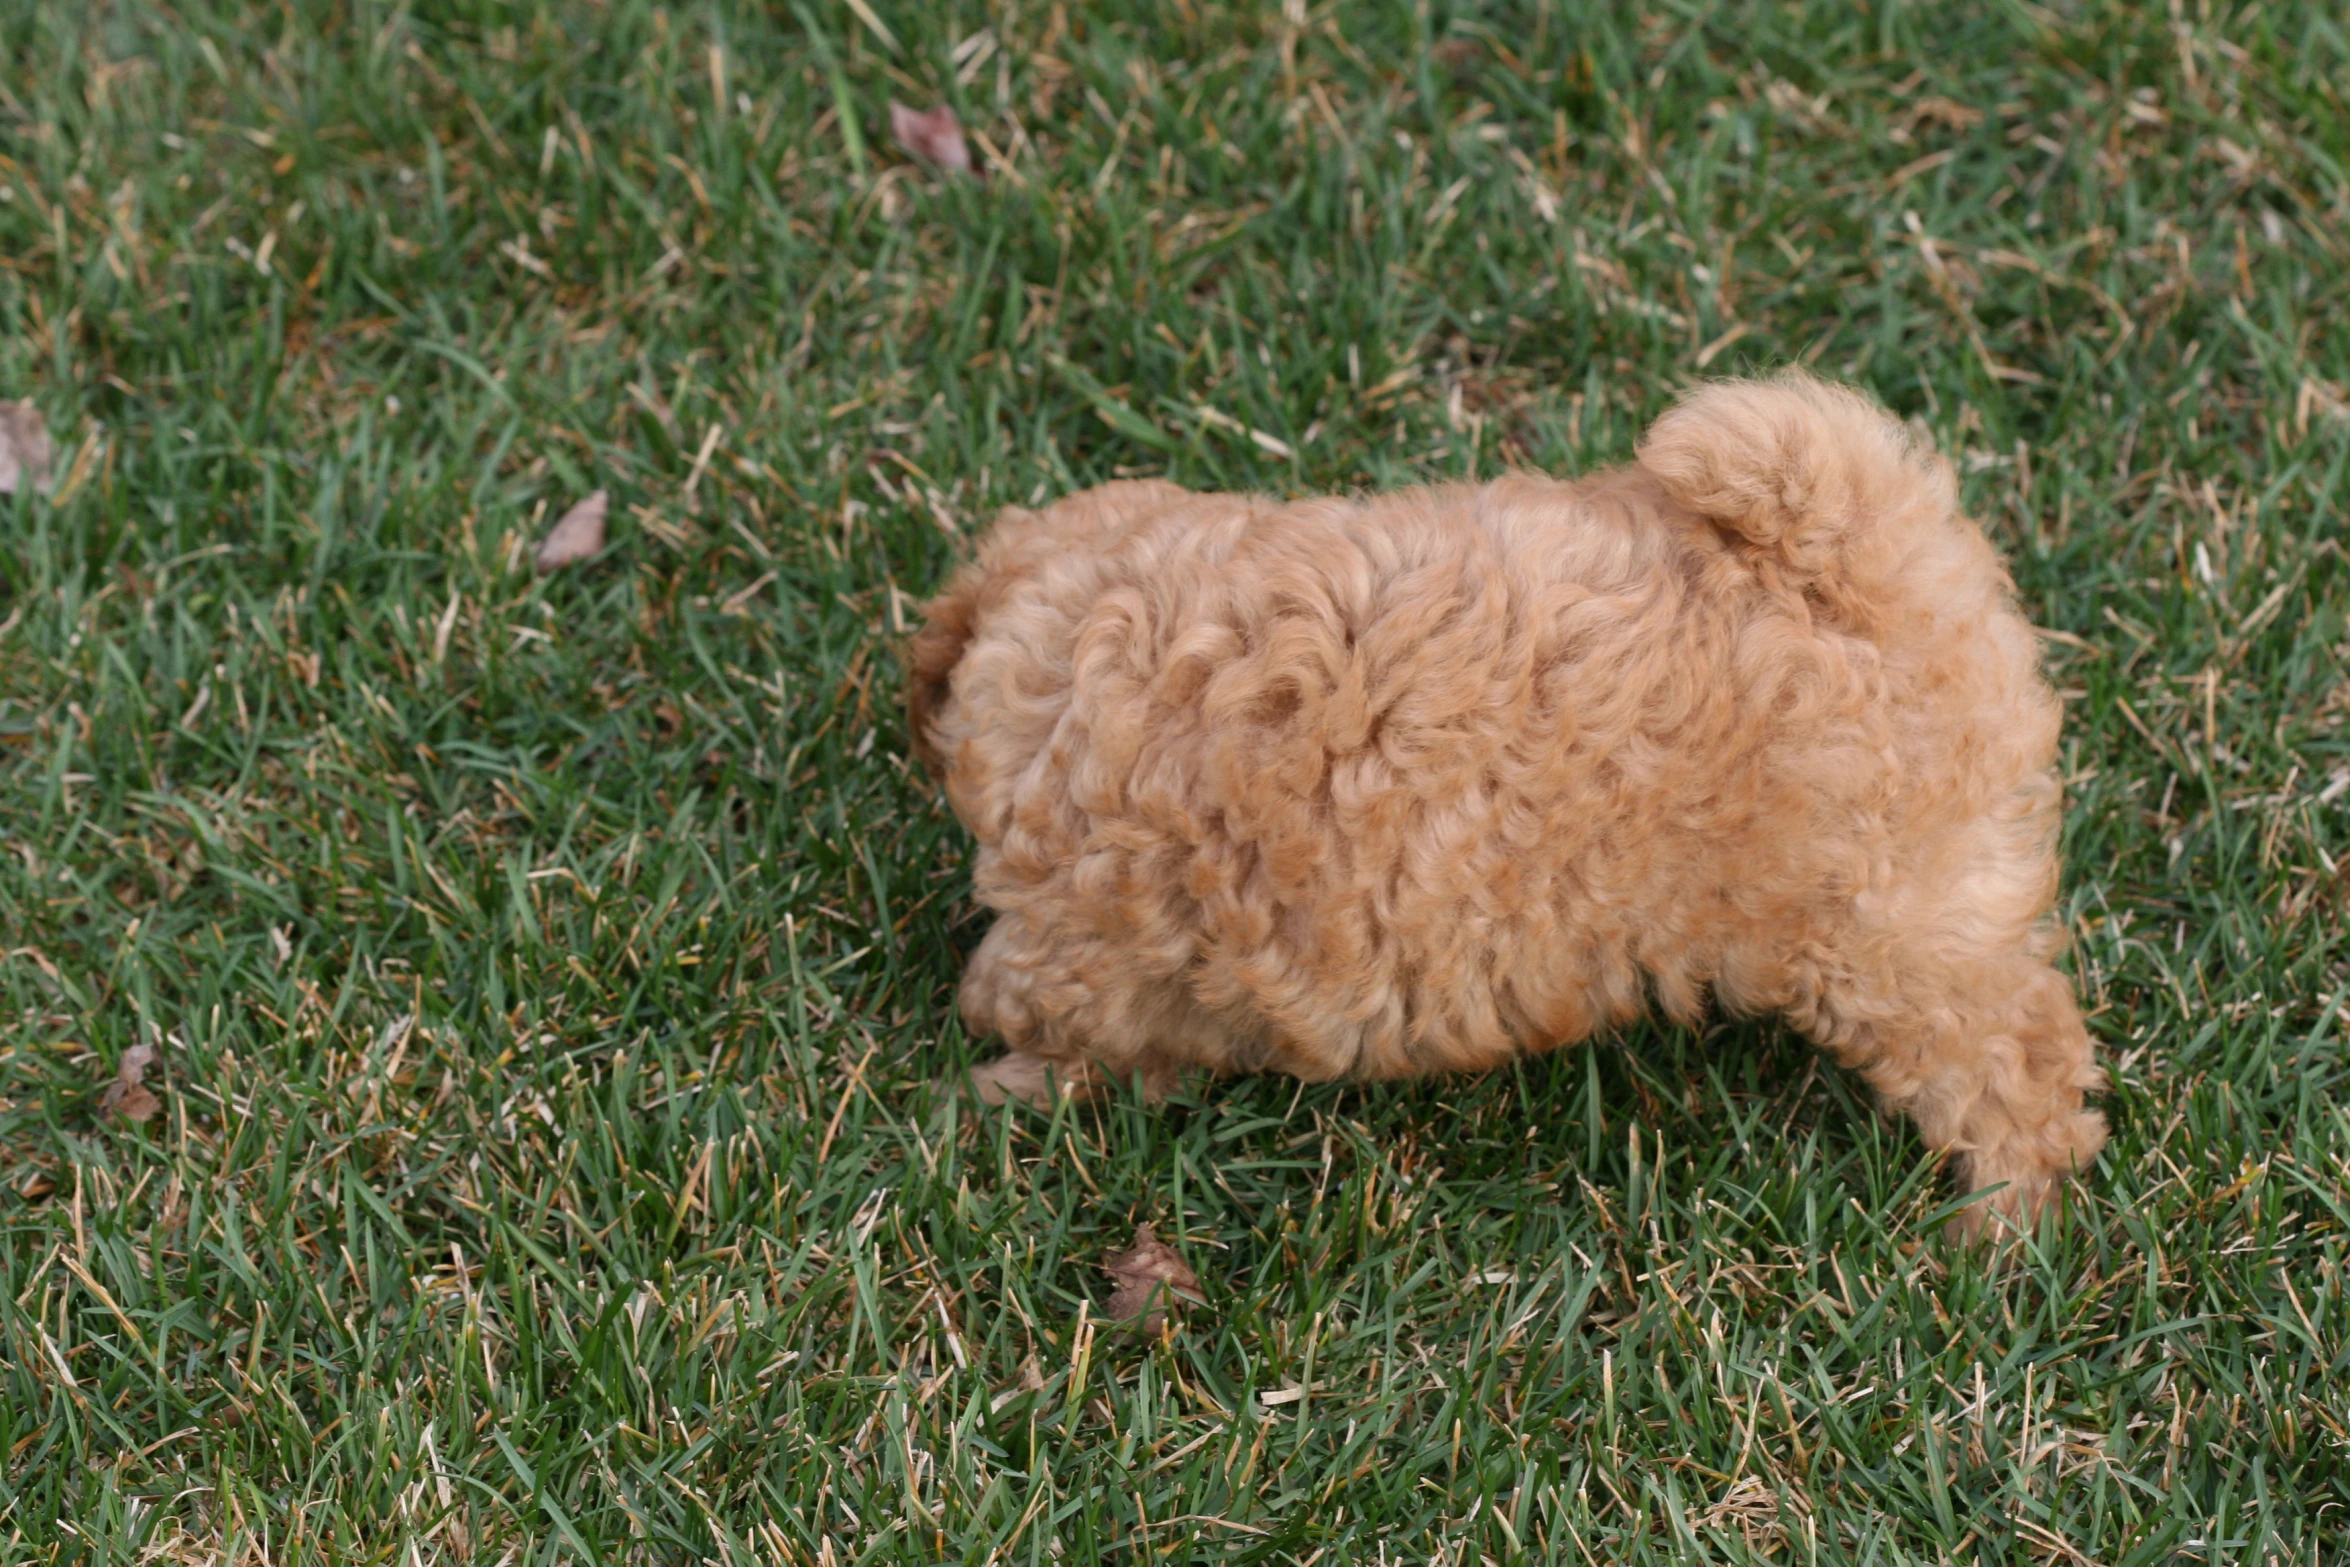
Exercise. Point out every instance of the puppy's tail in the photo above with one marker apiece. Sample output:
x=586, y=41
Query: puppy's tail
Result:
x=1816, y=479
x=933, y=653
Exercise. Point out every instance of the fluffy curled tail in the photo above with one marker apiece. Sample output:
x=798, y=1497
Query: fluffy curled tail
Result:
x=1817, y=479
x=932, y=654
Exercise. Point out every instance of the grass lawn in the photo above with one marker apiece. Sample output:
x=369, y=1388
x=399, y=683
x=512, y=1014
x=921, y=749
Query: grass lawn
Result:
x=549, y=978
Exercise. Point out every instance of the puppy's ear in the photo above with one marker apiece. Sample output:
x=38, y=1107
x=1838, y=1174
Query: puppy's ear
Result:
x=931, y=657
x=1019, y=543
x=1809, y=475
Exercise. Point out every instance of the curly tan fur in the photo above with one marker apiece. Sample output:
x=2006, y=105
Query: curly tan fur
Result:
x=1418, y=783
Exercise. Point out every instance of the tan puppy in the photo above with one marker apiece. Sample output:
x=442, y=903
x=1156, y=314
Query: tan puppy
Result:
x=1363, y=789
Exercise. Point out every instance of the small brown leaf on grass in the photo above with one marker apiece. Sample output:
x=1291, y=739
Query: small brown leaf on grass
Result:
x=25, y=450
x=576, y=536
x=1150, y=1278
x=933, y=135
x=128, y=1098
x=1459, y=54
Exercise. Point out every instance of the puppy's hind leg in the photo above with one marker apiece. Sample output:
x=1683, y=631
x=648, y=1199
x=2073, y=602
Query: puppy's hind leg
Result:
x=1992, y=1062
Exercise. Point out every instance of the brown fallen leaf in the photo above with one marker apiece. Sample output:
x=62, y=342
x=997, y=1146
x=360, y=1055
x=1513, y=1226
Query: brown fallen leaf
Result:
x=128, y=1098
x=1150, y=1279
x=1459, y=54
x=25, y=450
x=933, y=135
x=577, y=535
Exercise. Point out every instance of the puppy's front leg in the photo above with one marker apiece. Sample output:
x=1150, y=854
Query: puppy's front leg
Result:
x=1032, y=1079
x=1038, y=1080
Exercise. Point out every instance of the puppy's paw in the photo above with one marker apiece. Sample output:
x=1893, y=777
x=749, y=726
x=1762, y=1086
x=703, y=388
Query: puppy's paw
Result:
x=2031, y=1174
x=1030, y=1079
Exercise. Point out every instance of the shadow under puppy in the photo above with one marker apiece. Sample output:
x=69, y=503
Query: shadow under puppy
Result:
x=1372, y=788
